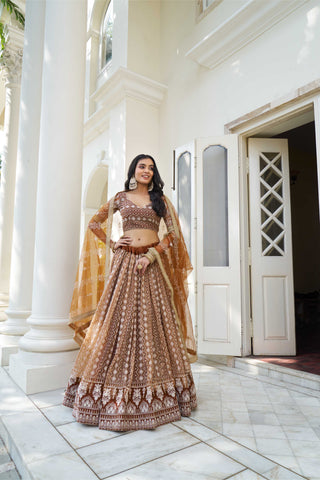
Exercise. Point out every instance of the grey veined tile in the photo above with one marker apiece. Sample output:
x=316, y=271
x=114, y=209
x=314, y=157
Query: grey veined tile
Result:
x=66, y=465
x=59, y=414
x=133, y=449
x=199, y=462
x=48, y=399
x=247, y=475
x=274, y=446
x=34, y=437
x=246, y=457
x=80, y=435
x=195, y=429
x=281, y=473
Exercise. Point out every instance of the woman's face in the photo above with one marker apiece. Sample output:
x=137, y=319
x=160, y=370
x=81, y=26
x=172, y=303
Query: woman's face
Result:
x=144, y=171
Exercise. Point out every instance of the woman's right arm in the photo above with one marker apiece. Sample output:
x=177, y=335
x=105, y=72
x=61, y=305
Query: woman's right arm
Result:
x=102, y=215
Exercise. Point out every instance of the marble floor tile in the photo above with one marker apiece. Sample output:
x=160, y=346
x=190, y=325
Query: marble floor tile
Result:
x=232, y=416
x=316, y=431
x=4, y=457
x=6, y=467
x=287, y=461
x=10, y=475
x=280, y=473
x=13, y=399
x=66, y=466
x=247, y=475
x=235, y=406
x=269, y=431
x=209, y=406
x=273, y=446
x=260, y=407
x=200, y=431
x=248, y=442
x=300, y=433
x=280, y=408
x=295, y=420
x=254, y=398
x=304, y=448
x=260, y=418
x=237, y=430
x=34, y=437
x=59, y=414
x=309, y=466
x=310, y=411
x=48, y=399
x=128, y=451
x=80, y=435
x=314, y=422
x=207, y=422
x=246, y=457
x=306, y=400
x=198, y=462
x=204, y=414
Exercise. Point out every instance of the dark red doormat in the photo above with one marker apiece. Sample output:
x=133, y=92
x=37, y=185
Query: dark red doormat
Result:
x=308, y=362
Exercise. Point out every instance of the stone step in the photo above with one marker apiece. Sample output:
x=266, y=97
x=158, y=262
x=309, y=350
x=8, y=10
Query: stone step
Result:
x=284, y=374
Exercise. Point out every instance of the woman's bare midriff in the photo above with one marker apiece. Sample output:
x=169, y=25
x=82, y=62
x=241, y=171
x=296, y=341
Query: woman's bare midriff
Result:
x=141, y=237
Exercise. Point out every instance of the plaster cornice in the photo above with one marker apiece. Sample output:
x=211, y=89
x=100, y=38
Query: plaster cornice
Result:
x=121, y=85
x=246, y=24
x=125, y=83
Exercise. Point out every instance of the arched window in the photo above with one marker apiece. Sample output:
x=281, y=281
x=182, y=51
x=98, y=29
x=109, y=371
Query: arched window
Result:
x=106, y=36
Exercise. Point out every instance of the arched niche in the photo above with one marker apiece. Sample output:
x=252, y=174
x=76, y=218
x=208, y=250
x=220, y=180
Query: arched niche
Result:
x=96, y=192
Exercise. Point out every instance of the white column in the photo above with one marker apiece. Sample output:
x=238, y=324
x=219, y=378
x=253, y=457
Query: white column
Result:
x=47, y=350
x=20, y=291
x=10, y=63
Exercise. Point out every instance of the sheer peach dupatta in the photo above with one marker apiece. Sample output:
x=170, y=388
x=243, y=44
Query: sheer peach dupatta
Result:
x=93, y=270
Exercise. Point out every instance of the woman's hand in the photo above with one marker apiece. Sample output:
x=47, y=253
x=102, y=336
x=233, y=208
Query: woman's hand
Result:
x=125, y=240
x=141, y=261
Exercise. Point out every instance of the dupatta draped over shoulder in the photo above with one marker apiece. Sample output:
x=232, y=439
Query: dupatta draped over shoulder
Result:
x=93, y=270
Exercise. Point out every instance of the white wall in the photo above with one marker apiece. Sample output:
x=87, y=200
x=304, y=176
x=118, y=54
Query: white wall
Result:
x=144, y=37
x=200, y=101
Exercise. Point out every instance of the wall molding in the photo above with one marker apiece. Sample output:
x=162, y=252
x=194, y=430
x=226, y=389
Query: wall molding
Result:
x=244, y=26
x=299, y=99
x=121, y=85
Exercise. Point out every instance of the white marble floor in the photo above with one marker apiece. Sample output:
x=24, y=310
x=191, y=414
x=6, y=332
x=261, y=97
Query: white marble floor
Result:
x=7, y=467
x=245, y=428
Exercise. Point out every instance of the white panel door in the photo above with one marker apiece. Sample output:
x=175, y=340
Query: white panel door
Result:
x=218, y=246
x=271, y=247
x=184, y=199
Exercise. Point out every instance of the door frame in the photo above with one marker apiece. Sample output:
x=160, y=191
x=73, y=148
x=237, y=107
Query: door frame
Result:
x=268, y=120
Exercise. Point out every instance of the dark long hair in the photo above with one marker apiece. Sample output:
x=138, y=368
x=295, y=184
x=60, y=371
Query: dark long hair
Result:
x=156, y=193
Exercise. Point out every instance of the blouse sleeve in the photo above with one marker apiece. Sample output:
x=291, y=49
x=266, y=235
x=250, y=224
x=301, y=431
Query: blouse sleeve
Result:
x=100, y=217
x=167, y=241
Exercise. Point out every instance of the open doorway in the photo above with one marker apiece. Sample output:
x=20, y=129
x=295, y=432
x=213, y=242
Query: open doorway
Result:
x=305, y=236
x=305, y=244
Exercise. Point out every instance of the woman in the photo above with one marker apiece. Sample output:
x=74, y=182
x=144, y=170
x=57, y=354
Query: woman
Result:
x=133, y=369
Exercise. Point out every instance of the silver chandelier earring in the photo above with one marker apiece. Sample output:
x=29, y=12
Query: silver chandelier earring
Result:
x=150, y=187
x=133, y=183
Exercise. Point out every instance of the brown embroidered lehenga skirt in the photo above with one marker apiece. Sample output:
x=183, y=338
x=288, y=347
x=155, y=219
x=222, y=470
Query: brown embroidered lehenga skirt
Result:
x=132, y=371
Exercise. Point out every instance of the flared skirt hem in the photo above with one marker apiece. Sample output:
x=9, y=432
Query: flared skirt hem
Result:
x=123, y=423
x=131, y=408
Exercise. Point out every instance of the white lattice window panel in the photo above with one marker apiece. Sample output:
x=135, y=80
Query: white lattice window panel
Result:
x=271, y=204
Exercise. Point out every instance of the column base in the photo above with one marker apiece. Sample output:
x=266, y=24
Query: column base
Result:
x=39, y=372
x=11, y=332
x=8, y=346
